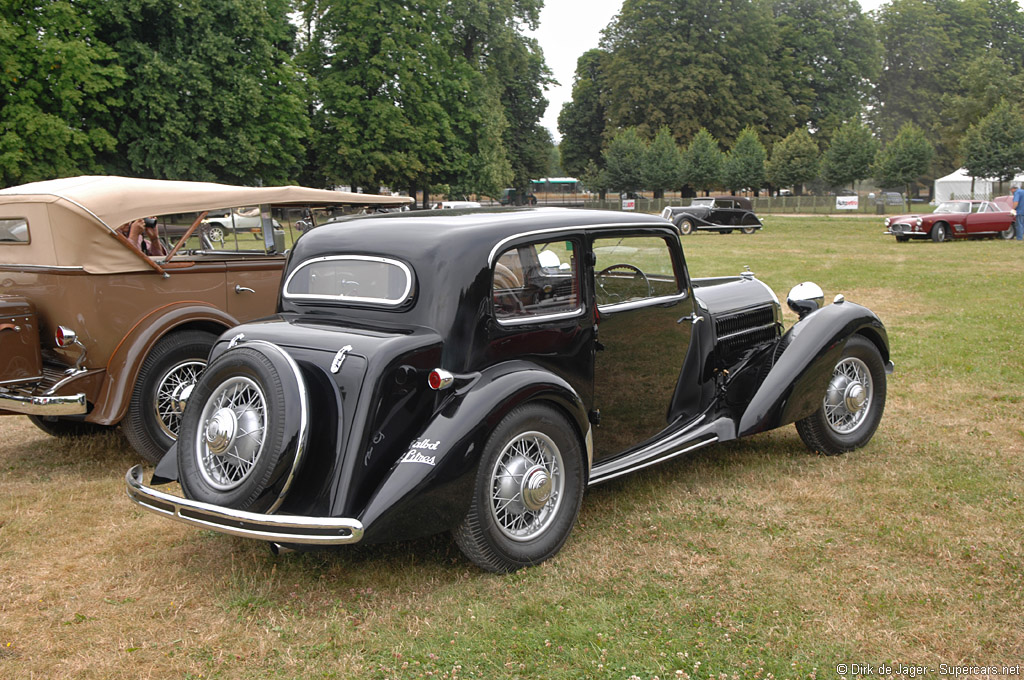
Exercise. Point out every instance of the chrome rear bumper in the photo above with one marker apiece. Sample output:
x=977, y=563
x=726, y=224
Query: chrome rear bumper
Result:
x=38, y=405
x=286, y=529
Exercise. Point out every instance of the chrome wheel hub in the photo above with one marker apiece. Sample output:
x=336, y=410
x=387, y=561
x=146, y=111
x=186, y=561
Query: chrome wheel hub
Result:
x=172, y=393
x=848, y=397
x=221, y=431
x=233, y=429
x=526, y=486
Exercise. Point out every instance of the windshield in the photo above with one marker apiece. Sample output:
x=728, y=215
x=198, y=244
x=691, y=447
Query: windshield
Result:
x=703, y=203
x=953, y=207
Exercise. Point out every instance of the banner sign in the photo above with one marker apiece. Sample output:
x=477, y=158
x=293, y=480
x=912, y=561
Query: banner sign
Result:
x=629, y=204
x=847, y=202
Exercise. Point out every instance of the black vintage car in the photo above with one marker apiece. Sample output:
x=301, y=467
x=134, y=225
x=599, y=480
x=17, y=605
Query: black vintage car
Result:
x=474, y=373
x=714, y=213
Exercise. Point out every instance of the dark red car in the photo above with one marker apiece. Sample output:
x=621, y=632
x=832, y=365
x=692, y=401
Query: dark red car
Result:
x=956, y=219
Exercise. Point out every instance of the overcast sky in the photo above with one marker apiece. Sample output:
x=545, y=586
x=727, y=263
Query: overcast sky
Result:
x=568, y=28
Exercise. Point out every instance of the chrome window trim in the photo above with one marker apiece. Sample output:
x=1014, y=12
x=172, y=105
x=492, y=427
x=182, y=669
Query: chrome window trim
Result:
x=540, y=318
x=42, y=267
x=382, y=302
x=575, y=230
x=645, y=302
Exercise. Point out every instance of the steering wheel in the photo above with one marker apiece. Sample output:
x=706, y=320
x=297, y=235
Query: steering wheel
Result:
x=615, y=277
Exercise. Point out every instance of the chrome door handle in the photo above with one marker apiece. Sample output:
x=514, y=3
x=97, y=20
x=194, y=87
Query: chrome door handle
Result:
x=693, y=318
x=243, y=289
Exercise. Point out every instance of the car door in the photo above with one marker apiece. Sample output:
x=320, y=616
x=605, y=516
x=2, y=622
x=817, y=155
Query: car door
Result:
x=987, y=219
x=644, y=326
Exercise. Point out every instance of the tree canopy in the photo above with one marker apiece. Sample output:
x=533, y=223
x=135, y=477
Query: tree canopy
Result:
x=850, y=155
x=794, y=161
x=994, y=147
x=903, y=160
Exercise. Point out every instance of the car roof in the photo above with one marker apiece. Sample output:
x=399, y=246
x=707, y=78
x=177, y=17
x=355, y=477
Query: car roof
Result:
x=458, y=233
x=115, y=200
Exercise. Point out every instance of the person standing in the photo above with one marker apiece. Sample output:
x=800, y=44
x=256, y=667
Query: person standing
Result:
x=1018, y=206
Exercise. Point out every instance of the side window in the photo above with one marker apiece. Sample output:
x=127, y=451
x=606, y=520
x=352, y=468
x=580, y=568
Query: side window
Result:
x=536, y=280
x=13, y=230
x=631, y=268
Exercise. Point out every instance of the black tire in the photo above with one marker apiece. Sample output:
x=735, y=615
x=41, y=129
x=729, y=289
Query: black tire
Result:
x=748, y=230
x=685, y=227
x=236, y=459
x=1008, y=233
x=505, y=537
x=215, y=233
x=835, y=427
x=940, y=232
x=57, y=426
x=154, y=413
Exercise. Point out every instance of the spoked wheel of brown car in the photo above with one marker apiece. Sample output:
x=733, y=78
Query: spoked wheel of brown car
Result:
x=244, y=431
x=685, y=227
x=853, y=403
x=162, y=389
x=528, y=491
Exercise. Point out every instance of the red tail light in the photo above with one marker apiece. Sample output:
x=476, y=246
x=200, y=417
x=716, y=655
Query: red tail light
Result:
x=65, y=336
x=440, y=379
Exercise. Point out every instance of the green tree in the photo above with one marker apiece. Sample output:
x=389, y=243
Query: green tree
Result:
x=986, y=80
x=994, y=147
x=849, y=155
x=702, y=162
x=828, y=58
x=581, y=120
x=904, y=160
x=663, y=164
x=624, y=161
x=59, y=84
x=794, y=161
x=690, y=65
x=744, y=164
x=594, y=179
x=212, y=92
x=925, y=42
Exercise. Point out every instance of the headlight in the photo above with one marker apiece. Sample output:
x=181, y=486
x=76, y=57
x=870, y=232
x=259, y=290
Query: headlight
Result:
x=887, y=221
x=918, y=222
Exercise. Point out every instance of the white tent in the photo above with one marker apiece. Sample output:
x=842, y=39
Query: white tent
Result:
x=958, y=185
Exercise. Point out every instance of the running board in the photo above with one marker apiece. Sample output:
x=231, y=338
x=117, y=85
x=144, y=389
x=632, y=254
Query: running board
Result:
x=666, y=448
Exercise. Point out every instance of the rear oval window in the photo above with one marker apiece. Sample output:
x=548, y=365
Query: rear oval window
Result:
x=356, y=279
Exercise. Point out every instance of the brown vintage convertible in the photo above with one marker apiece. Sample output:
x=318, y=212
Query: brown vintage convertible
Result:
x=93, y=332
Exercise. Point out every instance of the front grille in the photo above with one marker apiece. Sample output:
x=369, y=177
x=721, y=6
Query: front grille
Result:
x=900, y=228
x=739, y=332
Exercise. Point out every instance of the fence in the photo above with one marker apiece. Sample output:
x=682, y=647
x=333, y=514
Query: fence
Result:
x=764, y=205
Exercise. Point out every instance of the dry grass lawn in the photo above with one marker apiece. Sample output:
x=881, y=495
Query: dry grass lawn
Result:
x=749, y=560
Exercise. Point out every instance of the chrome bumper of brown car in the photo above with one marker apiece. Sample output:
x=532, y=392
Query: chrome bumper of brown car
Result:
x=285, y=529
x=39, y=405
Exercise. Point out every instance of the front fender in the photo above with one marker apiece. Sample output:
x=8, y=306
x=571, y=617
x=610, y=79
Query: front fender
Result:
x=429, y=488
x=124, y=364
x=794, y=387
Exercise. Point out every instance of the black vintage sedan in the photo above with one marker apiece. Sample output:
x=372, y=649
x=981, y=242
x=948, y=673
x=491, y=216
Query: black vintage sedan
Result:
x=714, y=213
x=475, y=372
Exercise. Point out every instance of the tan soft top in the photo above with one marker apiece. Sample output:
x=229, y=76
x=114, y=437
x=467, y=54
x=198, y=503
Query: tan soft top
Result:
x=71, y=220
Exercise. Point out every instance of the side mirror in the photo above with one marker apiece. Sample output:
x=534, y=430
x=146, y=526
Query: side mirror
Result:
x=805, y=298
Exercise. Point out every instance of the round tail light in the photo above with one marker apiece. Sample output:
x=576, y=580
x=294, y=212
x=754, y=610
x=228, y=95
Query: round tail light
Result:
x=440, y=379
x=65, y=336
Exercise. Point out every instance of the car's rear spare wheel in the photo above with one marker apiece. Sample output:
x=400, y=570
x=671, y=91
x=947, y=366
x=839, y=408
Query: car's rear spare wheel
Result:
x=244, y=430
x=853, y=402
x=528, y=491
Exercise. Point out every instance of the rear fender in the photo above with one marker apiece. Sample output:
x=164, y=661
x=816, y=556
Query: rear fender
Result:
x=125, y=362
x=794, y=387
x=429, y=489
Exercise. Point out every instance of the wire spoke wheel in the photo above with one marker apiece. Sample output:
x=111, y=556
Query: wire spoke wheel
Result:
x=172, y=393
x=848, y=397
x=526, y=486
x=233, y=429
